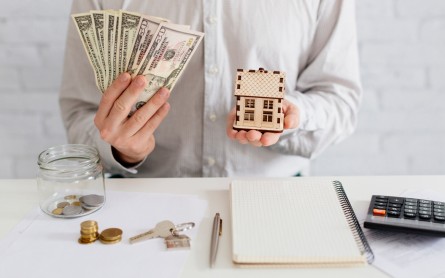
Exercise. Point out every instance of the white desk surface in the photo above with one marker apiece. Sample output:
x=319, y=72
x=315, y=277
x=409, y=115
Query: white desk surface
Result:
x=18, y=197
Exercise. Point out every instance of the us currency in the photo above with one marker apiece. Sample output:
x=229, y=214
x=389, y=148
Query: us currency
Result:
x=127, y=35
x=116, y=47
x=84, y=25
x=152, y=47
x=109, y=45
x=170, y=53
x=98, y=27
x=145, y=33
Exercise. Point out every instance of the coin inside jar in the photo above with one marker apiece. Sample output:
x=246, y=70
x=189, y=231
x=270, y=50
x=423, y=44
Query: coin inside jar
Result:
x=72, y=210
x=92, y=200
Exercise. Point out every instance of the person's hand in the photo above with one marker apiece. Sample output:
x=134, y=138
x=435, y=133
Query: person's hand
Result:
x=258, y=139
x=131, y=137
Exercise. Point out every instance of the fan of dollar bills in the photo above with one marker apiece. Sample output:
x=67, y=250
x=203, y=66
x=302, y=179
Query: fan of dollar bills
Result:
x=121, y=41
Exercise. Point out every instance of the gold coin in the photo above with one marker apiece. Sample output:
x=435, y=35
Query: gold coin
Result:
x=89, y=233
x=89, y=224
x=81, y=241
x=70, y=197
x=111, y=234
x=57, y=211
x=76, y=203
x=109, y=241
x=63, y=204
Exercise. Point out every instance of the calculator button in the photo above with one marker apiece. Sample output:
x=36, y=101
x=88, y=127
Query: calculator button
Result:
x=439, y=211
x=439, y=204
x=410, y=210
x=410, y=215
x=410, y=204
x=381, y=197
x=380, y=207
x=378, y=212
x=395, y=205
x=395, y=200
x=380, y=204
x=439, y=214
x=425, y=202
x=410, y=200
x=425, y=205
x=394, y=209
x=393, y=214
x=439, y=218
x=411, y=207
x=424, y=216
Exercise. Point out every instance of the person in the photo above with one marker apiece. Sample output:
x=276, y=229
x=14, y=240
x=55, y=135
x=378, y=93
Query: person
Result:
x=187, y=132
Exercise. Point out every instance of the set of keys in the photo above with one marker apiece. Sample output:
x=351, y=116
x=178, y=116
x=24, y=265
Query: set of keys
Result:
x=169, y=232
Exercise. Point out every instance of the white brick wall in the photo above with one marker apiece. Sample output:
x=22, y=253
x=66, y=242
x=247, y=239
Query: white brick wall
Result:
x=402, y=120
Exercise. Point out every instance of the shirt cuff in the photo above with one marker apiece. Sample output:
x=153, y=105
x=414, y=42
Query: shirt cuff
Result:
x=109, y=161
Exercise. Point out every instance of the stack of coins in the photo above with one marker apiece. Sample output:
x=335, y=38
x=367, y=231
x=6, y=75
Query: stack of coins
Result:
x=88, y=232
x=111, y=236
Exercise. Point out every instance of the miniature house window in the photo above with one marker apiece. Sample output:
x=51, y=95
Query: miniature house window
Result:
x=250, y=103
x=268, y=104
x=267, y=116
x=249, y=115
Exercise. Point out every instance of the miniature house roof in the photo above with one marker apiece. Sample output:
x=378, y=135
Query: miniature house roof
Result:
x=259, y=83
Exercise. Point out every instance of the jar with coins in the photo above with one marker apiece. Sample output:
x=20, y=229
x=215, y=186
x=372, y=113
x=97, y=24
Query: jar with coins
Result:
x=70, y=181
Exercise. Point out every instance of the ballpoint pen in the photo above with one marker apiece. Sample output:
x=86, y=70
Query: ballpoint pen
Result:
x=216, y=233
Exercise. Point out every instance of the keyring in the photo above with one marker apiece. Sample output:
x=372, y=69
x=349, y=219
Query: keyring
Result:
x=183, y=227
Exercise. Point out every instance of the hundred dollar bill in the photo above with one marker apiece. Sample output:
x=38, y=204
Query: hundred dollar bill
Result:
x=84, y=24
x=171, y=50
x=145, y=33
x=127, y=35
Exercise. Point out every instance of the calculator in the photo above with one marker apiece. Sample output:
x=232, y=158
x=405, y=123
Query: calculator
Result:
x=402, y=214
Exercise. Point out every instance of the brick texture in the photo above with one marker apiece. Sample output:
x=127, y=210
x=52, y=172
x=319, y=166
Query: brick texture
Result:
x=401, y=128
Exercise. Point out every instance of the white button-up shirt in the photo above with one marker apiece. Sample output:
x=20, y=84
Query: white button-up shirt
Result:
x=312, y=41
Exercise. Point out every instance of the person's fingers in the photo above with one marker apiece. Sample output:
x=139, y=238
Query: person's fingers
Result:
x=253, y=135
x=241, y=137
x=122, y=105
x=147, y=111
x=291, y=115
x=231, y=133
x=152, y=124
x=109, y=97
x=269, y=138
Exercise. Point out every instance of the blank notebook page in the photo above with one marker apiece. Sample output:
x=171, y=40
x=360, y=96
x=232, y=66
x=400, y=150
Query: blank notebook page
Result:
x=290, y=222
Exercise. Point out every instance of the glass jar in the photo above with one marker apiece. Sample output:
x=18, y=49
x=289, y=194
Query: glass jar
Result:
x=70, y=181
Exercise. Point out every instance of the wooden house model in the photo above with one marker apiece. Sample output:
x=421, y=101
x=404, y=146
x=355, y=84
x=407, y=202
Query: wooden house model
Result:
x=259, y=100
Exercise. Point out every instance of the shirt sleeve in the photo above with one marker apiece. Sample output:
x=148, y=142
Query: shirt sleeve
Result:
x=328, y=92
x=79, y=97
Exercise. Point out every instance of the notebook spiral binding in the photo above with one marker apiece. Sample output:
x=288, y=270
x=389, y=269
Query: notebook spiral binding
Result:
x=353, y=223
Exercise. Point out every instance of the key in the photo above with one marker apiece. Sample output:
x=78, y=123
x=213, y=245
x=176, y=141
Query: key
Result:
x=163, y=229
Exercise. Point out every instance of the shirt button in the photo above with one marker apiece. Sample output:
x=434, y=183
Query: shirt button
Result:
x=213, y=70
x=212, y=117
x=213, y=19
x=211, y=161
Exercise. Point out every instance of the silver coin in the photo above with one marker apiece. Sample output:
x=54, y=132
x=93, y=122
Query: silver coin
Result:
x=92, y=200
x=72, y=210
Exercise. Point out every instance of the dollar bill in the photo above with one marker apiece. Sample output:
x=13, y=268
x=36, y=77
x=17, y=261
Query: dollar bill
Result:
x=127, y=35
x=84, y=25
x=171, y=51
x=109, y=45
x=145, y=33
x=98, y=27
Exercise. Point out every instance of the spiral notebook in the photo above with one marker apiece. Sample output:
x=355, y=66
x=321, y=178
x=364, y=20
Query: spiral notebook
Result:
x=298, y=222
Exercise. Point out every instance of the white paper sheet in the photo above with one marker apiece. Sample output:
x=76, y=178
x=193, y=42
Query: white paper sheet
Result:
x=43, y=246
x=408, y=255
